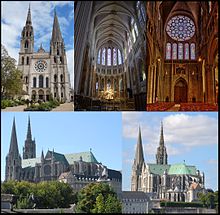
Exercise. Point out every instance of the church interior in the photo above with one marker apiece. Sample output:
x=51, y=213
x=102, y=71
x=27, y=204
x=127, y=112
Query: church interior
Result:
x=110, y=55
x=182, y=56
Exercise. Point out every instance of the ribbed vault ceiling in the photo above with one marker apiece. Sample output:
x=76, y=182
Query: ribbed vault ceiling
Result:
x=111, y=22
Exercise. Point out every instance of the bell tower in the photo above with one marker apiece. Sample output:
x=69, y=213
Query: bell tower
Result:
x=161, y=156
x=29, y=149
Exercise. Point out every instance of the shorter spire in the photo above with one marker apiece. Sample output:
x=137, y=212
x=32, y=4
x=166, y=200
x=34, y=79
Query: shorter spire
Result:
x=56, y=33
x=29, y=136
x=28, y=21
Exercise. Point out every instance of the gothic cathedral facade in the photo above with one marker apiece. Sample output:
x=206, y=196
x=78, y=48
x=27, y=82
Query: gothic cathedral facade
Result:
x=45, y=74
x=172, y=182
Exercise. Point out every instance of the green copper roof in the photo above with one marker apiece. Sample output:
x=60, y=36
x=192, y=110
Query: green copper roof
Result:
x=174, y=169
x=182, y=169
x=70, y=158
x=57, y=157
x=30, y=162
x=158, y=168
x=86, y=156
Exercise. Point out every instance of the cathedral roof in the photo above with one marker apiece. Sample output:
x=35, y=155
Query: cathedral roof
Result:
x=30, y=162
x=57, y=157
x=158, y=169
x=86, y=156
x=174, y=169
x=182, y=169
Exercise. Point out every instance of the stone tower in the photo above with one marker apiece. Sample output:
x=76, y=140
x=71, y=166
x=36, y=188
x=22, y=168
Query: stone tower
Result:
x=29, y=149
x=137, y=165
x=26, y=51
x=13, y=158
x=61, y=84
x=161, y=156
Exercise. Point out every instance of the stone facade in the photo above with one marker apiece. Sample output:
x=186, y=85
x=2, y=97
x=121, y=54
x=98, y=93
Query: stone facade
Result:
x=77, y=169
x=173, y=182
x=45, y=74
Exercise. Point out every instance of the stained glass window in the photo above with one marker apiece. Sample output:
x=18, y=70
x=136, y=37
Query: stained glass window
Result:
x=114, y=57
x=180, y=51
x=192, y=51
x=103, y=56
x=135, y=28
x=186, y=53
x=174, y=51
x=109, y=57
x=180, y=28
x=168, y=51
x=99, y=56
x=119, y=57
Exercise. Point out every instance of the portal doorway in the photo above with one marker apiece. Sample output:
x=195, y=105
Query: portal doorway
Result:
x=180, y=91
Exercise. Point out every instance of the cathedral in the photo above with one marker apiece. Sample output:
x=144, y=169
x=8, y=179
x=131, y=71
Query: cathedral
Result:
x=77, y=169
x=110, y=55
x=182, y=55
x=171, y=182
x=45, y=74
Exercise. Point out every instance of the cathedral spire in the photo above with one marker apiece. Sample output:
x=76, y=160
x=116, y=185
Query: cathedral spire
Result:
x=28, y=21
x=161, y=156
x=161, y=135
x=139, y=156
x=56, y=34
x=14, y=143
x=29, y=136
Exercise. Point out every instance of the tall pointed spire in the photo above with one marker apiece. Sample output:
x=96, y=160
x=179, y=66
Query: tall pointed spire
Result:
x=29, y=136
x=28, y=21
x=161, y=135
x=14, y=143
x=139, y=156
x=56, y=34
x=161, y=156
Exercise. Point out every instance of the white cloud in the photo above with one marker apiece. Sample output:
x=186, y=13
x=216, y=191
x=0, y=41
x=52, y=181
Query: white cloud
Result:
x=182, y=131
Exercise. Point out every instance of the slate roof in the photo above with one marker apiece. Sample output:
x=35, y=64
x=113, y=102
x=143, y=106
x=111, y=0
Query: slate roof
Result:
x=57, y=157
x=134, y=195
x=114, y=174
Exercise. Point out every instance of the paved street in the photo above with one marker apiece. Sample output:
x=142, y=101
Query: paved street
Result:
x=14, y=109
x=64, y=107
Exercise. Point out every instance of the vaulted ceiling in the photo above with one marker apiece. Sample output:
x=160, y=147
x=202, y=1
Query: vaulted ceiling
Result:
x=111, y=22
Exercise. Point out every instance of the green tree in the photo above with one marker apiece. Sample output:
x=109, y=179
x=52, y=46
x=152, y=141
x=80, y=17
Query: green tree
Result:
x=98, y=198
x=11, y=81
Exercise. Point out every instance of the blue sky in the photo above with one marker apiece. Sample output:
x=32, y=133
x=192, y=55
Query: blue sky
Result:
x=67, y=132
x=13, y=18
x=192, y=137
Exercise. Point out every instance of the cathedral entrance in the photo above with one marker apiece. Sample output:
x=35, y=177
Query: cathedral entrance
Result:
x=180, y=91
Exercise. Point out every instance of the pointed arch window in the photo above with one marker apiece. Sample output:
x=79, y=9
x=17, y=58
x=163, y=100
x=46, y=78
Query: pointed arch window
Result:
x=114, y=57
x=174, y=51
x=186, y=53
x=22, y=60
x=192, y=51
x=119, y=57
x=27, y=60
x=103, y=56
x=180, y=51
x=41, y=81
x=109, y=60
x=26, y=44
x=168, y=51
x=99, y=56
